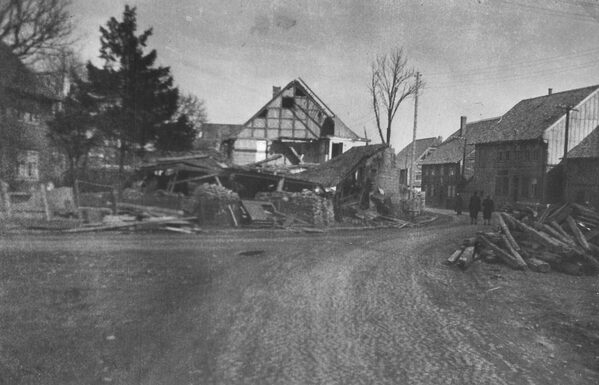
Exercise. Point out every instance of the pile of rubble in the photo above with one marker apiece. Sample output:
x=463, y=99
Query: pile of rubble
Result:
x=214, y=205
x=306, y=206
x=563, y=238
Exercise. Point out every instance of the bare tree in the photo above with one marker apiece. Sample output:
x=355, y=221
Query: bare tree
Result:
x=31, y=27
x=392, y=81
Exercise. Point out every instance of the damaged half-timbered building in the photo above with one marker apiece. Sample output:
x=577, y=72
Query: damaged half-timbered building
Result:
x=296, y=123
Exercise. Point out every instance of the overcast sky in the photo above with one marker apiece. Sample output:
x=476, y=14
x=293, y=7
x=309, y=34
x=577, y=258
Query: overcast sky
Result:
x=477, y=57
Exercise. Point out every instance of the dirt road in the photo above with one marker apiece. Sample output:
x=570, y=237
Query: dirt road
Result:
x=361, y=308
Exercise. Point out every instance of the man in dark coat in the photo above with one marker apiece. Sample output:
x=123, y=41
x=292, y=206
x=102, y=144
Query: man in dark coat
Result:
x=474, y=208
x=459, y=204
x=488, y=208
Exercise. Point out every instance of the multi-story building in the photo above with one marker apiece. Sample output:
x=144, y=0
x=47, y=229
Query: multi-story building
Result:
x=27, y=102
x=447, y=170
x=519, y=159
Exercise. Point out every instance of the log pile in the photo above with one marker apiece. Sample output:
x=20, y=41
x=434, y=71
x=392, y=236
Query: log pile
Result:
x=563, y=238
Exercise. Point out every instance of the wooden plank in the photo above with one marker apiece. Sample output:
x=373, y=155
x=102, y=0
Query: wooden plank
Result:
x=506, y=231
x=196, y=179
x=47, y=212
x=560, y=214
x=466, y=258
x=455, y=255
x=499, y=252
x=538, y=265
x=519, y=260
x=235, y=222
x=577, y=233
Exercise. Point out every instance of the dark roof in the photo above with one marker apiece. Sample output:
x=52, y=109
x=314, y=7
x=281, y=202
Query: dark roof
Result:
x=332, y=172
x=17, y=77
x=530, y=118
x=588, y=148
x=404, y=157
x=196, y=161
x=452, y=149
x=218, y=131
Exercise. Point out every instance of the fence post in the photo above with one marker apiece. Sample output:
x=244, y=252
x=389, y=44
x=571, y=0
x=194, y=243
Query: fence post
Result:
x=45, y=201
x=6, y=198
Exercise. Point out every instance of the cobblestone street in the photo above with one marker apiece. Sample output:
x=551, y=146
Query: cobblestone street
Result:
x=361, y=308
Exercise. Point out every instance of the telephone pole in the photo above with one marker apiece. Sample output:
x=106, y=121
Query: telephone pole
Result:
x=413, y=162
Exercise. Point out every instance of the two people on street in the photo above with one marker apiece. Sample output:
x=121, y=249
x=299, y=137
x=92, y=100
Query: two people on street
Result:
x=474, y=207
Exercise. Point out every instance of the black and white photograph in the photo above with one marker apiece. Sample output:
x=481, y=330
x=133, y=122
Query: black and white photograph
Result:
x=207, y=192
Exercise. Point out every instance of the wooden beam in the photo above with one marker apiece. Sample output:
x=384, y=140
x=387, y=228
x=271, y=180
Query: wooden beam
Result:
x=577, y=233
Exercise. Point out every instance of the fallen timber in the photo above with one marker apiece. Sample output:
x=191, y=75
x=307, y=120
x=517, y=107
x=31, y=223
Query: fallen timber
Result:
x=562, y=238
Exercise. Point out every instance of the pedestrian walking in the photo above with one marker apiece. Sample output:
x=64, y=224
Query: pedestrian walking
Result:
x=488, y=208
x=474, y=208
x=459, y=204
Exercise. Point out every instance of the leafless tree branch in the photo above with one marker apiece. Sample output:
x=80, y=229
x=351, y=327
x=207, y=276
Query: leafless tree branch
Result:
x=392, y=81
x=31, y=27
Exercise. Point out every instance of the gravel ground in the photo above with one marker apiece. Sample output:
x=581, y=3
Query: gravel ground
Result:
x=276, y=308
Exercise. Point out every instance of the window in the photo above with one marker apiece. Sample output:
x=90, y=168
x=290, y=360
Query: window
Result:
x=432, y=171
x=502, y=183
x=507, y=155
x=535, y=155
x=500, y=156
x=450, y=191
x=27, y=165
x=534, y=191
x=263, y=113
x=518, y=155
x=288, y=102
x=527, y=155
x=451, y=171
x=299, y=92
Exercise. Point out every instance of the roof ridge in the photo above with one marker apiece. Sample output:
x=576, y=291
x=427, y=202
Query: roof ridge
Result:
x=561, y=92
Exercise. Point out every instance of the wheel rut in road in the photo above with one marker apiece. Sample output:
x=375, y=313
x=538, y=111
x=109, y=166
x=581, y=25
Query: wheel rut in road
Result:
x=354, y=315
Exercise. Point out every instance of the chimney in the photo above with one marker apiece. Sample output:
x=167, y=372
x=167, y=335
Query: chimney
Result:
x=275, y=90
x=463, y=121
x=550, y=91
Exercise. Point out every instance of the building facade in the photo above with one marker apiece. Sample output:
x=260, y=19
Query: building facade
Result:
x=424, y=147
x=449, y=169
x=520, y=160
x=26, y=104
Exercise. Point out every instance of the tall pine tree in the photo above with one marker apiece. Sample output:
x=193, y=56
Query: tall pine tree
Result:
x=141, y=96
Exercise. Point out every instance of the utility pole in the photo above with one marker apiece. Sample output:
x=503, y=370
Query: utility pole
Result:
x=413, y=162
x=566, y=140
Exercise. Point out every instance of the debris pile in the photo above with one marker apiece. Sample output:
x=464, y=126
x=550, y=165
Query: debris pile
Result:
x=306, y=206
x=214, y=205
x=563, y=238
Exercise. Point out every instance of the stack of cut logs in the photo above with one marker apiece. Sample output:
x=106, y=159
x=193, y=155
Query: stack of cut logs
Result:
x=563, y=238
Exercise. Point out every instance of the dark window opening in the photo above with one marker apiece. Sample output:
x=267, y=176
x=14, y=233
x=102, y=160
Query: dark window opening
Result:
x=328, y=127
x=336, y=150
x=263, y=113
x=299, y=92
x=288, y=102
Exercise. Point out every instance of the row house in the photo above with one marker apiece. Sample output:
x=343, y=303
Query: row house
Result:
x=421, y=149
x=519, y=159
x=296, y=123
x=27, y=102
x=446, y=171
